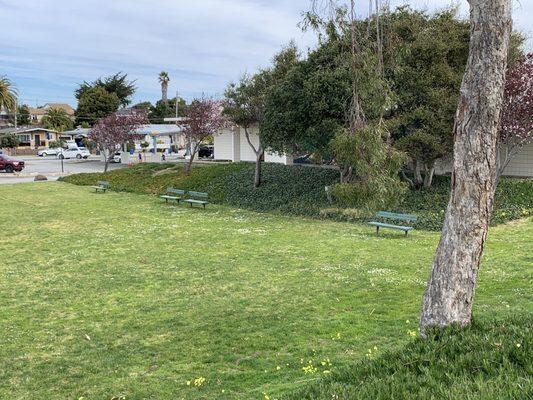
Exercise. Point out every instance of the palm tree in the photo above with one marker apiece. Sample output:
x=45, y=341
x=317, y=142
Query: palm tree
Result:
x=8, y=94
x=163, y=79
x=57, y=119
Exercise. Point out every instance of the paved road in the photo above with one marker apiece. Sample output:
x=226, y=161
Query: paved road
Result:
x=51, y=168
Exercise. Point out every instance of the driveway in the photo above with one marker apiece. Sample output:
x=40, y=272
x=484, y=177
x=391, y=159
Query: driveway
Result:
x=51, y=168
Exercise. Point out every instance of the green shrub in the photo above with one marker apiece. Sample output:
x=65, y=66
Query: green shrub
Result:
x=370, y=195
x=488, y=360
x=300, y=190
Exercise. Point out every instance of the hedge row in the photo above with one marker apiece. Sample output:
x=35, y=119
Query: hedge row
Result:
x=298, y=190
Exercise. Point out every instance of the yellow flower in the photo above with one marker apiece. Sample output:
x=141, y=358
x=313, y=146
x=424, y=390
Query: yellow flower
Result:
x=188, y=383
x=278, y=368
x=518, y=345
x=199, y=381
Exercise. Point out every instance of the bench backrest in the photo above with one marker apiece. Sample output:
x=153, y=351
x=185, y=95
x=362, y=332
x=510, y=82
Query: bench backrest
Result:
x=400, y=217
x=104, y=184
x=173, y=191
x=198, y=195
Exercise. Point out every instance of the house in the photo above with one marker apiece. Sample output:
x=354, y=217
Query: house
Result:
x=231, y=145
x=4, y=117
x=32, y=137
x=520, y=166
x=37, y=114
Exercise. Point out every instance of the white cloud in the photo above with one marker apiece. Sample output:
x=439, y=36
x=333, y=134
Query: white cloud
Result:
x=51, y=45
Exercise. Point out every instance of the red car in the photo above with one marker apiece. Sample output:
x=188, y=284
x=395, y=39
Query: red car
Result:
x=10, y=164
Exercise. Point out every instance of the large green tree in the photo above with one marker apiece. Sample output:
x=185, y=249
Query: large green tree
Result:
x=245, y=101
x=96, y=103
x=414, y=92
x=117, y=84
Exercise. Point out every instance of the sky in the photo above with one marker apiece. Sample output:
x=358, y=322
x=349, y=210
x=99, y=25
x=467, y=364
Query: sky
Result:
x=48, y=47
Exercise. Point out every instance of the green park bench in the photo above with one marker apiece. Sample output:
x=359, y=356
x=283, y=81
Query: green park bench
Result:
x=385, y=215
x=173, y=194
x=197, y=198
x=101, y=186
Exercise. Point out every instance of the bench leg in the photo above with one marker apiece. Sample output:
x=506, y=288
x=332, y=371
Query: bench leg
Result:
x=190, y=204
x=406, y=232
x=377, y=230
x=204, y=206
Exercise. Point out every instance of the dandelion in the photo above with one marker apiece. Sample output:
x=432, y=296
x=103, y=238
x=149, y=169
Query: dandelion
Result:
x=266, y=396
x=199, y=381
x=411, y=333
x=326, y=372
x=518, y=345
x=188, y=383
x=278, y=368
x=309, y=369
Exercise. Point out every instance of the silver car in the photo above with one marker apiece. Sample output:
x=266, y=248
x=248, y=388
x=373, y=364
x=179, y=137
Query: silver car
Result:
x=74, y=152
x=49, y=152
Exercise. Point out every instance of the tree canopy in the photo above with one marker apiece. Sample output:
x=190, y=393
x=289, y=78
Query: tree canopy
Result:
x=96, y=103
x=117, y=84
x=57, y=119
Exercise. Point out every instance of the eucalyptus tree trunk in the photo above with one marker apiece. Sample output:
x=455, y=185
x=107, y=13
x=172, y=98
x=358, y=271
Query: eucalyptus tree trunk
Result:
x=450, y=290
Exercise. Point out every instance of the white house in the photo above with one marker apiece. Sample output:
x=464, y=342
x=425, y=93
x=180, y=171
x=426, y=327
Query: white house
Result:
x=521, y=165
x=231, y=145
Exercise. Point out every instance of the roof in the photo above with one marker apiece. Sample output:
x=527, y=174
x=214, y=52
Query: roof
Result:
x=62, y=106
x=150, y=129
x=26, y=129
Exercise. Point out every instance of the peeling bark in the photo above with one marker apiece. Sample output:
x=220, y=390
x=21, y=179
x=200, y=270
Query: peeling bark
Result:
x=450, y=292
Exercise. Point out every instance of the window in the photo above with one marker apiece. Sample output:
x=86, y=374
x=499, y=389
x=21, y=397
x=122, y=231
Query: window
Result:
x=24, y=138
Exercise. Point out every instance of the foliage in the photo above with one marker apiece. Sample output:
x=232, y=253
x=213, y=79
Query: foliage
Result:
x=487, y=360
x=369, y=169
x=163, y=80
x=203, y=118
x=162, y=110
x=8, y=94
x=137, y=290
x=517, y=111
x=117, y=84
x=55, y=144
x=57, y=119
x=115, y=130
x=245, y=103
x=95, y=103
x=23, y=116
x=299, y=190
x=9, y=141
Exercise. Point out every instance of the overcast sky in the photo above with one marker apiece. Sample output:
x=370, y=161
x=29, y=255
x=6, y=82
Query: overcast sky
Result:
x=49, y=46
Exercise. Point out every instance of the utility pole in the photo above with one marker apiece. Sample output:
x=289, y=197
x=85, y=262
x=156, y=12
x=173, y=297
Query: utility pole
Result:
x=16, y=109
x=176, y=104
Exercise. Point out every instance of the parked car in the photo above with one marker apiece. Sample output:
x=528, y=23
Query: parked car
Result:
x=206, y=151
x=49, y=152
x=116, y=157
x=10, y=164
x=74, y=152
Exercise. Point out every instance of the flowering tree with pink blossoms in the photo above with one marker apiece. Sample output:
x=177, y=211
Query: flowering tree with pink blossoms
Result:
x=516, y=129
x=113, y=131
x=203, y=118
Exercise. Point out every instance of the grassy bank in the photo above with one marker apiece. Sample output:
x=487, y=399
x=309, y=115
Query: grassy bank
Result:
x=119, y=294
x=492, y=359
x=299, y=190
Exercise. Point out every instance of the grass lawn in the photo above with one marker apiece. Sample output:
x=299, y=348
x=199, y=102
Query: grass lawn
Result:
x=118, y=294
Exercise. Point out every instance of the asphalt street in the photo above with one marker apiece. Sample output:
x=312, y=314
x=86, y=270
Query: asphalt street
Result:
x=51, y=168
